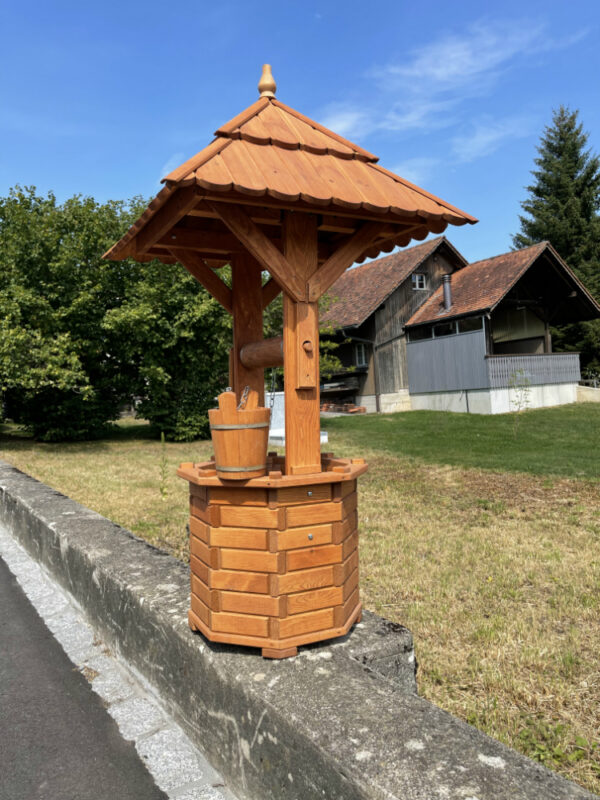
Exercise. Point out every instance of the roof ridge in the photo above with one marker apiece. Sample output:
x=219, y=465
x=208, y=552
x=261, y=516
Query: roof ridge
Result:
x=326, y=131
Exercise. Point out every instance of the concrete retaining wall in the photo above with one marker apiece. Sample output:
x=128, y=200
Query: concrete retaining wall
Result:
x=497, y=401
x=340, y=721
x=588, y=394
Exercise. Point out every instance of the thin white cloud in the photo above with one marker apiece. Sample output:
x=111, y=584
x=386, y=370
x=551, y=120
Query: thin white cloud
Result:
x=486, y=136
x=430, y=87
x=347, y=121
x=416, y=170
x=170, y=164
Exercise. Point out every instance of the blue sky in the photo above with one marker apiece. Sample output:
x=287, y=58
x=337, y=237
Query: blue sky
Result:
x=102, y=99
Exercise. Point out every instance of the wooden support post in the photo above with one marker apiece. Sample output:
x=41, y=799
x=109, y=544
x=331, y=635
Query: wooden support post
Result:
x=247, y=323
x=301, y=351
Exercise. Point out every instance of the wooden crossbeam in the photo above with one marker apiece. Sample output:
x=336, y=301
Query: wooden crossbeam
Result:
x=209, y=241
x=196, y=266
x=260, y=246
x=270, y=291
x=344, y=257
x=176, y=207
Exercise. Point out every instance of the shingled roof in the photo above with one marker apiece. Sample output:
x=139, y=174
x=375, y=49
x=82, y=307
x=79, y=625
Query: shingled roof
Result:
x=361, y=290
x=272, y=149
x=273, y=156
x=480, y=286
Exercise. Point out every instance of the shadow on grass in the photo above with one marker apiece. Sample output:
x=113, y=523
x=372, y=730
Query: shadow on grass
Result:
x=14, y=439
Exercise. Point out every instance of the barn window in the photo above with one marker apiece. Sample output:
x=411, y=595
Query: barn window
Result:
x=417, y=334
x=360, y=355
x=419, y=280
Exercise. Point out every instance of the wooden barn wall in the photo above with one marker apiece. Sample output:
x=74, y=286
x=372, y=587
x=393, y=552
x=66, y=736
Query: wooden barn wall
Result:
x=390, y=341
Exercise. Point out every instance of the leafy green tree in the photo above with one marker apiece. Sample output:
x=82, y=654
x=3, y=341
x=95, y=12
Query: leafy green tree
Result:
x=563, y=207
x=80, y=336
x=178, y=338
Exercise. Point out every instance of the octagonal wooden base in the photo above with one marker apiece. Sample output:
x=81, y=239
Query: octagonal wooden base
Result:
x=274, y=563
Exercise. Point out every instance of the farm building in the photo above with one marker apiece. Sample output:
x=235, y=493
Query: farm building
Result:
x=422, y=328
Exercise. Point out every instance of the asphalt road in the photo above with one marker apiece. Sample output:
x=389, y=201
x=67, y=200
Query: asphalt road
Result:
x=57, y=741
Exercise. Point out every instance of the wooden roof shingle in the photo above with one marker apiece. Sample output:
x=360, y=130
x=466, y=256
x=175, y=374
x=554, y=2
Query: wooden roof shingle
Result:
x=273, y=156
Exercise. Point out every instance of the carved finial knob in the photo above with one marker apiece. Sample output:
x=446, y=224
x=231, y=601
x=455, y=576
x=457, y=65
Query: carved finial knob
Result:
x=266, y=85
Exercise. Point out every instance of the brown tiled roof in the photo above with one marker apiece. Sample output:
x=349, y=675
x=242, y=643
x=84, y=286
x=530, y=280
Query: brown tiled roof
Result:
x=479, y=286
x=363, y=289
x=272, y=151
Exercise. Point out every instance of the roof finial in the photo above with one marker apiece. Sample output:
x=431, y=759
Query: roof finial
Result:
x=266, y=85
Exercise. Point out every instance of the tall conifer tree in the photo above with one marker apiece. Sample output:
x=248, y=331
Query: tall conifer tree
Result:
x=563, y=207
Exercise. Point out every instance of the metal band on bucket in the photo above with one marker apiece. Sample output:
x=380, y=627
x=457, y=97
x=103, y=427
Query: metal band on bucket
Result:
x=241, y=469
x=239, y=427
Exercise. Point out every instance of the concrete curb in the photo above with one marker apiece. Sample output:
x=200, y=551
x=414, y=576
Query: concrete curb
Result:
x=340, y=720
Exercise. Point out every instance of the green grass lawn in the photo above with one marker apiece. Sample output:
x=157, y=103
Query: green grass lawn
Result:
x=481, y=537
x=550, y=441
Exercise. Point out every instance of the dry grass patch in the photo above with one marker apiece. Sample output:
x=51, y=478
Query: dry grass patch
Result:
x=497, y=574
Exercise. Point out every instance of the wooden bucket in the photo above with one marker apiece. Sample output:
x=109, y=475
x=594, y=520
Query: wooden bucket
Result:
x=240, y=437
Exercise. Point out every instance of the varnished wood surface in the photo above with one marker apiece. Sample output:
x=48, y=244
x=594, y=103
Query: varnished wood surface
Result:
x=279, y=568
x=194, y=473
x=247, y=324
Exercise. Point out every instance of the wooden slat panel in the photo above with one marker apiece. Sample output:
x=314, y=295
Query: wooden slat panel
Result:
x=319, y=512
x=343, y=612
x=350, y=584
x=349, y=545
x=242, y=602
x=249, y=560
x=200, y=529
x=241, y=538
x=341, y=572
x=313, y=557
x=247, y=624
x=305, y=623
x=201, y=590
x=209, y=555
x=202, y=611
x=294, y=538
x=239, y=581
x=317, y=599
x=249, y=517
x=304, y=579
x=200, y=569
x=203, y=511
x=296, y=495
x=238, y=496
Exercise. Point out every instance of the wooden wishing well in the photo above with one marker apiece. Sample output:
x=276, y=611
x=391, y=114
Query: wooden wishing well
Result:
x=274, y=551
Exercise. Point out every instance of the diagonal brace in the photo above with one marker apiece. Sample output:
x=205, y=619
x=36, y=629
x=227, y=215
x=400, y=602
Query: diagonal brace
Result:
x=260, y=246
x=196, y=266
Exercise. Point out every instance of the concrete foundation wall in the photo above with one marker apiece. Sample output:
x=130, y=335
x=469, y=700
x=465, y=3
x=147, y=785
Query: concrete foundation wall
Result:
x=587, y=394
x=388, y=402
x=497, y=401
x=341, y=721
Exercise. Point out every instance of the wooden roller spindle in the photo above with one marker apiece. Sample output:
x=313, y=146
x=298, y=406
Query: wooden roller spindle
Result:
x=266, y=353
